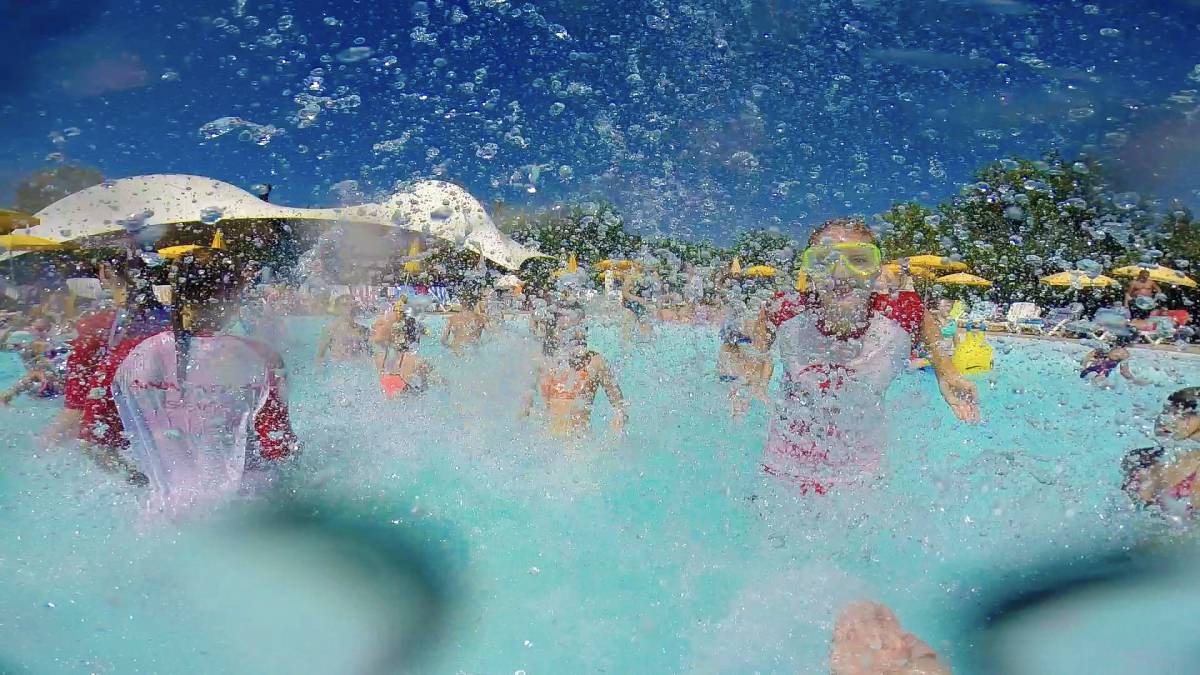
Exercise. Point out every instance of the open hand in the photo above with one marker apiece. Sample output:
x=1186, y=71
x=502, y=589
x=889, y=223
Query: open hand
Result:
x=962, y=396
x=869, y=640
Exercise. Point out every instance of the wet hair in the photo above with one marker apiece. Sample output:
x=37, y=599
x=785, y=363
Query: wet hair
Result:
x=855, y=225
x=138, y=277
x=205, y=276
x=1134, y=463
x=1186, y=399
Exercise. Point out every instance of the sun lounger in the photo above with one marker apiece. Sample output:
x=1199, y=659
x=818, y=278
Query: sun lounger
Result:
x=1112, y=321
x=1058, y=317
x=983, y=316
x=1181, y=317
x=1024, y=316
x=1157, y=329
x=1081, y=328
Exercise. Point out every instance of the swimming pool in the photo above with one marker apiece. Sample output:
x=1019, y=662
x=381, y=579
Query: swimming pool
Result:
x=667, y=551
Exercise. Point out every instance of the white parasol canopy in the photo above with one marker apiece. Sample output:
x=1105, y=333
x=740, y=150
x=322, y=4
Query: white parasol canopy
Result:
x=507, y=282
x=432, y=208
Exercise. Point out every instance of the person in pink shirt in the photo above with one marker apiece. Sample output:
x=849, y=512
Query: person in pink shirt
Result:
x=841, y=345
x=193, y=398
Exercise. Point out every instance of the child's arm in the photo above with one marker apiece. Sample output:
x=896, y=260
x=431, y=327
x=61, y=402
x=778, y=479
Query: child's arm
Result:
x=1128, y=374
x=323, y=348
x=612, y=390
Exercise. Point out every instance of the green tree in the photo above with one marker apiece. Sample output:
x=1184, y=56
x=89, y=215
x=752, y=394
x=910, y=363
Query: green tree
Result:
x=1020, y=220
x=43, y=188
x=592, y=230
x=1179, y=238
x=766, y=247
x=912, y=229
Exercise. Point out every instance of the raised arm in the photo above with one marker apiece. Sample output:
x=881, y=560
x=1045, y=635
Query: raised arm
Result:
x=1128, y=374
x=325, y=344
x=961, y=395
x=527, y=398
x=605, y=378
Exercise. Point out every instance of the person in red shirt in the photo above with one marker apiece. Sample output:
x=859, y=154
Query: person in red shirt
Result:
x=192, y=398
x=841, y=345
x=127, y=310
x=118, y=314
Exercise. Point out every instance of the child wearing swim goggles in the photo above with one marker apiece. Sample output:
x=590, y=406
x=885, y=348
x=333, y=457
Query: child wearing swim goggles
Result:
x=860, y=259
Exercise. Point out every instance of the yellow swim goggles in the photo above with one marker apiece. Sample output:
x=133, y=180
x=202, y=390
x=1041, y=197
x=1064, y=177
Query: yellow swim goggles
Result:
x=858, y=258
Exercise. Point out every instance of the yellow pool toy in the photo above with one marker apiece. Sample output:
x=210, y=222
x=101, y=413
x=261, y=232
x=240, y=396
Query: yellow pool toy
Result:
x=973, y=355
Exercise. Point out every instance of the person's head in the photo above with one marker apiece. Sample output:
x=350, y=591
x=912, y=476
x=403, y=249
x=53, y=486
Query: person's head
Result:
x=206, y=289
x=113, y=281
x=1180, y=418
x=129, y=281
x=343, y=307
x=406, y=336
x=574, y=344
x=842, y=262
x=1141, y=471
x=40, y=327
x=1144, y=275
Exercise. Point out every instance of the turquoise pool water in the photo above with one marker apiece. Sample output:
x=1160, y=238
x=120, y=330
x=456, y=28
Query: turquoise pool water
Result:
x=667, y=551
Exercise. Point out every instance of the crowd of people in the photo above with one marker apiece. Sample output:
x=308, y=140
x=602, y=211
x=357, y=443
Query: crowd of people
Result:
x=174, y=399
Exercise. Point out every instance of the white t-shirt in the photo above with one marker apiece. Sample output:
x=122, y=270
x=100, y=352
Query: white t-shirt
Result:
x=191, y=441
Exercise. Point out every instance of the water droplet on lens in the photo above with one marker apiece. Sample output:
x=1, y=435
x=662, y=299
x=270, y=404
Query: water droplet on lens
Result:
x=211, y=215
x=353, y=54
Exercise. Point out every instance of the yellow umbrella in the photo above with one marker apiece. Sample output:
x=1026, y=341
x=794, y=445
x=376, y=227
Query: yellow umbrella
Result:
x=1158, y=273
x=935, y=262
x=27, y=242
x=413, y=266
x=571, y=268
x=735, y=268
x=801, y=281
x=179, y=251
x=14, y=220
x=1078, y=279
x=759, y=271
x=913, y=270
x=963, y=279
x=610, y=264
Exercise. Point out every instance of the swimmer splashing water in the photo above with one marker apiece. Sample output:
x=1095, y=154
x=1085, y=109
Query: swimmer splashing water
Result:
x=189, y=396
x=841, y=346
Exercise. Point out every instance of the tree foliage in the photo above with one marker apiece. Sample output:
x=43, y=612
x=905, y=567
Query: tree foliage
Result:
x=1024, y=219
x=43, y=188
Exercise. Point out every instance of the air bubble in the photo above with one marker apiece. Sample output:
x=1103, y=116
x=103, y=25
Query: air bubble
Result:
x=354, y=54
x=487, y=151
x=211, y=215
